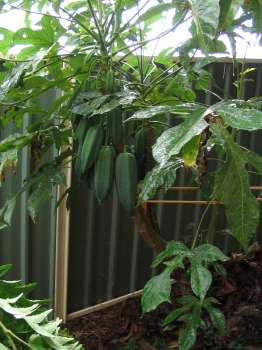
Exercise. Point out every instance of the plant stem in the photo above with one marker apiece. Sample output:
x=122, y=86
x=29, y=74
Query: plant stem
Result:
x=161, y=80
x=140, y=44
x=126, y=25
x=147, y=230
x=40, y=13
x=102, y=41
x=8, y=335
x=76, y=20
x=199, y=225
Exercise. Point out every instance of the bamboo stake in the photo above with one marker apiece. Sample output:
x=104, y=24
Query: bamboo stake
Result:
x=62, y=253
x=103, y=305
x=192, y=202
x=195, y=188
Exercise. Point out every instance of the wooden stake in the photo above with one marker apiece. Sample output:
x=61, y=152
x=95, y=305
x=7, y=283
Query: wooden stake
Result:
x=103, y=305
x=62, y=252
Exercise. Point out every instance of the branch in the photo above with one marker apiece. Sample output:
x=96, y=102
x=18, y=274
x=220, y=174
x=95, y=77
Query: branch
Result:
x=39, y=13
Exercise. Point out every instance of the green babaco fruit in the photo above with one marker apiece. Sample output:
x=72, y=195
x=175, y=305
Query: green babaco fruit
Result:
x=104, y=172
x=81, y=129
x=126, y=179
x=92, y=143
x=115, y=126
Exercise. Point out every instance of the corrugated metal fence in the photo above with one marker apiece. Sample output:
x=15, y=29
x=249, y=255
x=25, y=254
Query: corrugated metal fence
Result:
x=107, y=256
x=29, y=247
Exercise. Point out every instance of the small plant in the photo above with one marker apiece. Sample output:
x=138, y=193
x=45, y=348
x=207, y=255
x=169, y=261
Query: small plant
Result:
x=199, y=278
x=24, y=323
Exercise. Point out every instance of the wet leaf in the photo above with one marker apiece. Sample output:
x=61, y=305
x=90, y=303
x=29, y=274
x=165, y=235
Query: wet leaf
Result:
x=206, y=18
x=233, y=188
x=239, y=115
x=156, y=291
x=187, y=337
x=173, y=248
x=217, y=318
x=201, y=279
x=209, y=253
x=170, y=143
x=161, y=177
x=190, y=152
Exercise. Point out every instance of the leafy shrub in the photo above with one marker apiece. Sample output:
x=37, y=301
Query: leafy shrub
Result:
x=24, y=323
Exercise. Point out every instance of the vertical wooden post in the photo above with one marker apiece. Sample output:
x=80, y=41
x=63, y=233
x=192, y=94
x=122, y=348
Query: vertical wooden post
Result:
x=62, y=251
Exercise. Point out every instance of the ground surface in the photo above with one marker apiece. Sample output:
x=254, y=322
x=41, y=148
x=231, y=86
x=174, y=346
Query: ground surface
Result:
x=240, y=293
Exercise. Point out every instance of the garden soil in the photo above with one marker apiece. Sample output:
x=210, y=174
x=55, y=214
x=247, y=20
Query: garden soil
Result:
x=121, y=327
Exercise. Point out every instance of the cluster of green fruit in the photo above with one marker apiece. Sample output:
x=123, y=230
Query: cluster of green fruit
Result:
x=103, y=159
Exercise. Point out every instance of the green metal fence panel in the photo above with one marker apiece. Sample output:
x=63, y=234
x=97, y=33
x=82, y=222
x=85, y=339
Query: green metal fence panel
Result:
x=107, y=255
x=29, y=247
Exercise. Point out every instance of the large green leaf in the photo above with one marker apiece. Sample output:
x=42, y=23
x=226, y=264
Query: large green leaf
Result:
x=7, y=211
x=183, y=110
x=6, y=41
x=175, y=314
x=217, y=318
x=172, y=248
x=161, y=177
x=154, y=13
x=4, y=269
x=190, y=152
x=170, y=143
x=26, y=36
x=156, y=291
x=209, y=253
x=187, y=337
x=206, y=18
x=239, y=115
x=253, y=159
x=12, y=79
x=228, y=11
x=41, y=194
x=8, y=160
x=255, y=7
x=201, y=279
x=15, y=141
x=233, y=188
x=149, y=112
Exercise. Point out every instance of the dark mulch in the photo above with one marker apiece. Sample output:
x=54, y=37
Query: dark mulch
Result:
x=240, y=294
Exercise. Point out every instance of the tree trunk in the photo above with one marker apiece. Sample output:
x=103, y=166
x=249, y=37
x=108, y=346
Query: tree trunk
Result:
x=147, y=228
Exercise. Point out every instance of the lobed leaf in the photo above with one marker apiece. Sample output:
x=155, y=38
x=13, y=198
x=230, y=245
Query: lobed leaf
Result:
x=205, y=14
x=239, y=115
x=233, y=188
